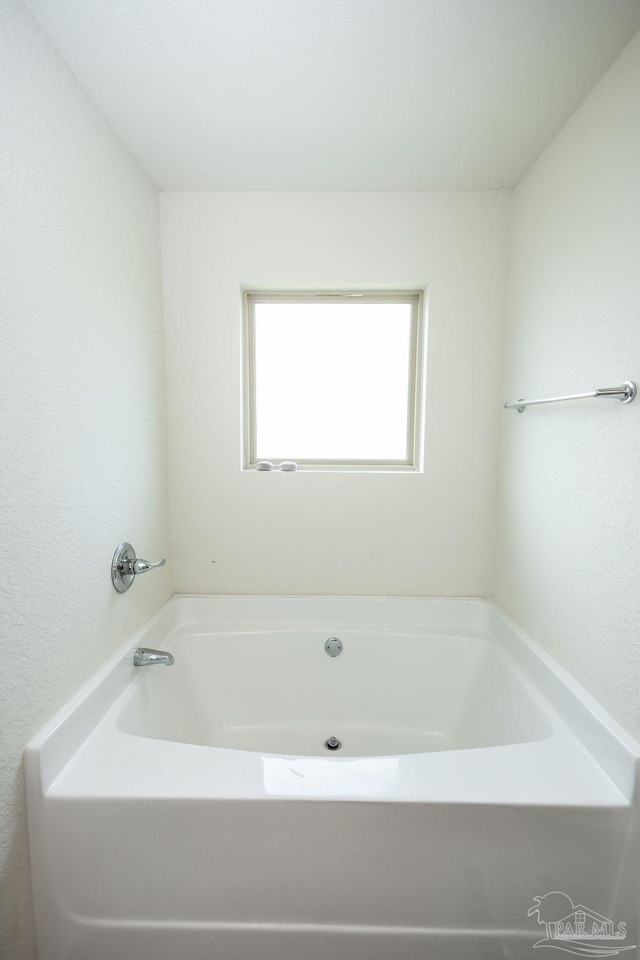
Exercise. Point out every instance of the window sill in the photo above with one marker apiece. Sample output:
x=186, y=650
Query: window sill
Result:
x=340, y=468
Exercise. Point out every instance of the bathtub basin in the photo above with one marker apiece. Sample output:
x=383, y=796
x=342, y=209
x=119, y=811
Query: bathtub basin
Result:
x=386, y=694
x=194, y=811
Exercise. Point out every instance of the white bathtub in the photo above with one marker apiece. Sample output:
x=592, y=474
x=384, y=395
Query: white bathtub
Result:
x=194, y=812
x=276, y=691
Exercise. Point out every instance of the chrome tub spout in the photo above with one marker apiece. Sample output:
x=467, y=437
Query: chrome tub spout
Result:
x=145, y=657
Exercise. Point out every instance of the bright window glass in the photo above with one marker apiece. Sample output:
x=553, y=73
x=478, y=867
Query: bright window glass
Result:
x=332, y=379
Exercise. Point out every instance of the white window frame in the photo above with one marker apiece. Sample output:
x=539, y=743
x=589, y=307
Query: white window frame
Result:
x=412, y=462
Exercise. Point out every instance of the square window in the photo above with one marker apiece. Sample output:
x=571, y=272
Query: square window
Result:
x=333, y=380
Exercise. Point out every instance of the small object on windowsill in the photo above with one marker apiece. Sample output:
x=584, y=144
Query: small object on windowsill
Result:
x=288, y=466
x=264, y=465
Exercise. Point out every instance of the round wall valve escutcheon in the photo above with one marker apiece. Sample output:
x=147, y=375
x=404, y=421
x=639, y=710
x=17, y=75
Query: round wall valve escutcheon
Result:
x=125, y=566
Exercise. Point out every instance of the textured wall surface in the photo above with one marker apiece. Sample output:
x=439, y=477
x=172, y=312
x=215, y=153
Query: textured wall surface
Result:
x=340, y=533
x=82, y=446
x=568, y=559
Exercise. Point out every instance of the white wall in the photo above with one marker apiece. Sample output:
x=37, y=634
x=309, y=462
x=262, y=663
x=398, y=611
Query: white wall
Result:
x=348, y=533
x=568, y=559
x=82, y=447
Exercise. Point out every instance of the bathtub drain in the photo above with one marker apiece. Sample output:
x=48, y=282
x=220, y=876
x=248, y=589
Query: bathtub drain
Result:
x=332, y=743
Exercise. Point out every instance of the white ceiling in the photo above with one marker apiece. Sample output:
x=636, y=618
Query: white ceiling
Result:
x=338, y=94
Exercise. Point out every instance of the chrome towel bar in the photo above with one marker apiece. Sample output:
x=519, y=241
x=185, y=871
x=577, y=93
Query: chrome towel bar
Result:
x=626, y=393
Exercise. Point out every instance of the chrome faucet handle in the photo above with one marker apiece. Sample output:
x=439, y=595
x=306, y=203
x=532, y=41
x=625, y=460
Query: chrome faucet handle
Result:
x=125, y=567
x=141, y=566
